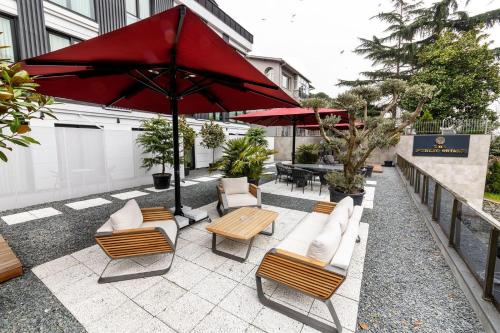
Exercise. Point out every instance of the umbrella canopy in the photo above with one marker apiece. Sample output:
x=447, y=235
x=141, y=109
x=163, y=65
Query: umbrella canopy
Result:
x=290, y=117
x=340, y=126
x=170, y=63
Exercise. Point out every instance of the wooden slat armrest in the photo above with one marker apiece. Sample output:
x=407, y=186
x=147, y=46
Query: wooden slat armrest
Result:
x=253, y=189
x=221, y=188
x=324, y=207
x=133, y=231
x=152, y=209
x=302, y=259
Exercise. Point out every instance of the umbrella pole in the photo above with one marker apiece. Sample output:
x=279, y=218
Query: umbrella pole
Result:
x=177, y=175
x=294, y=123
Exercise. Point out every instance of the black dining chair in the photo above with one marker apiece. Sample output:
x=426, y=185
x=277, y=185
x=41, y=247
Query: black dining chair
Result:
x=322, y=181
x=283, y=171
x=302, y=177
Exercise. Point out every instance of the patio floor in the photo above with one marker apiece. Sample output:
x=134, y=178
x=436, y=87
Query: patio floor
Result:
x=59, y=293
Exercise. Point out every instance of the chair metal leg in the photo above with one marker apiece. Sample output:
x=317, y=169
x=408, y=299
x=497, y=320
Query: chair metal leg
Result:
x=229, y=255
x=314, y=323
x=219, y=209
x=268, y=233
x=117, y=278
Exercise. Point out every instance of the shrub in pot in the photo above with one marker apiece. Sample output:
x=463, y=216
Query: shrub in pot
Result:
x=257, y=136
x=242, y=158
x=341, y=186
x=157, y=143
x=354, y=145
x=308, y=153
x=188, y=139
x=213, y=137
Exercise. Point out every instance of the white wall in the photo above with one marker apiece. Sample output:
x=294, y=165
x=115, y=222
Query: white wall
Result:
x=73, y=162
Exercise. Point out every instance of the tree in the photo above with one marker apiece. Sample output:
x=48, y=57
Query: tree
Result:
x=257, y=136
x=354, y=146
x=369, y=94
x=465, y=73
x=188, y=138
x=19, y=103
x=213, y=137
x=157, y=142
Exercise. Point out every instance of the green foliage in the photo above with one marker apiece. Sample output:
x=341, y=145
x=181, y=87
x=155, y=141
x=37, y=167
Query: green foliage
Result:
x=426, y=116
x=308, y=153
x=257, y=136
x=241, y=158
x=188, y=139
x=157, y=142
x=493, y=178
x=495, y=147
x=344, y=184
x=212, y=135
x=19, y=103
x=465, y=73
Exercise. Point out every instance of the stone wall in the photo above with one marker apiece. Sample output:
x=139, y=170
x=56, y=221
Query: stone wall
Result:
x=465, y=176
x=283, y=144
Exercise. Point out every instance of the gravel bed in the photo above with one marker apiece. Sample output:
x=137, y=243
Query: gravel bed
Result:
x=407, y=285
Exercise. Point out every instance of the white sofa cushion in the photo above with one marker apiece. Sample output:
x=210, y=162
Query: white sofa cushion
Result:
x=106, y=227
x=169, y=226
x=346, y=202
x=235, y=185
x=325, y=244
x=300, y=238
x=128, y=217
x=340, y=215
x=241, y=200
x=342, y=257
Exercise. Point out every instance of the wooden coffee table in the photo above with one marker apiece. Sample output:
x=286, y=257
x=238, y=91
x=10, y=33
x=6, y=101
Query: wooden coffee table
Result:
x=242, y=224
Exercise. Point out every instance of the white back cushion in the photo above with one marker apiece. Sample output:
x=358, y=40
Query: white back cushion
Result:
x=235, y=185
x=340, y=215
x=324, y=246
x=301, y=237
x=346, y=202
x=129, y=217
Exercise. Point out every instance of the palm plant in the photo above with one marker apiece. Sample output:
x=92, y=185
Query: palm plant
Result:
x=257, y=136
x=242, y=158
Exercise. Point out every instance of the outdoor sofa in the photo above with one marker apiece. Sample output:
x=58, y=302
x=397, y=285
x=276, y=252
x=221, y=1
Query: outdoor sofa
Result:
x=235, y=193
x=132, y=231
x=314, y=258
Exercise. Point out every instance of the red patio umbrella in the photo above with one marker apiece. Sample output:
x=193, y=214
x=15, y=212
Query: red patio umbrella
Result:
x=290, y=117
x=170, y=63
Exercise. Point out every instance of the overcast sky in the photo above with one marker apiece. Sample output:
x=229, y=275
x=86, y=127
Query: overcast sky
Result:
x=318, y=36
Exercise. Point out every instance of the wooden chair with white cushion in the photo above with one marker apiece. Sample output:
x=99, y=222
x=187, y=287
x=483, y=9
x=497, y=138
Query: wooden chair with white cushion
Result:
x=314, y=258
x=132, y=231
x=235, y=193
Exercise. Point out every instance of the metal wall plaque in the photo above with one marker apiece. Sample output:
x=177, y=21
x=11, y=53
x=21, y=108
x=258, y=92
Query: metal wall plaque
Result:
x=441, y=145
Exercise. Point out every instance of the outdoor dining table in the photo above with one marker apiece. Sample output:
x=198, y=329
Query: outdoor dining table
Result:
x=319, y=167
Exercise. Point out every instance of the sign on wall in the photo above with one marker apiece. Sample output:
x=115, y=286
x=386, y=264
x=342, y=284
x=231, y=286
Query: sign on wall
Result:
x=441, y=145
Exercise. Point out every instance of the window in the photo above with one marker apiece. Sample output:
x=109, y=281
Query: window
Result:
x=269, y=73
x=84, y=7
x=285, y=81
x=58, y=41
x=8, y=38
x=137, y=10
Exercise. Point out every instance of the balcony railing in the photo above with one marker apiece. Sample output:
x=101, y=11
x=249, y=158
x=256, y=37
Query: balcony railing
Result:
x=452, y=126
x=471, y=232
x=221, y=15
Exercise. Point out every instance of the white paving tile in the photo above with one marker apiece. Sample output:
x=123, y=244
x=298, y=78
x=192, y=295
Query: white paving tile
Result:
x=186, y=183
x=78, y=205
x=216, y=175
x=159, y=297
x=152, y=189
x=214, y=287
x=185, y=313
x=44, y=212
x=371, y=182
x=346, y=309
x=272, y=321
x=18, y=218
x=221, y=321
x=129, y=195
x=235, y=270
x=54, y=266
x=292, y=297
x=243, y=303
x=186, y=274
x=368, y=204
x=204, y=179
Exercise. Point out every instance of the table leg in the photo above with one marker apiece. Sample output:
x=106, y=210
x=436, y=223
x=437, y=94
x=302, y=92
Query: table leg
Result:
x=268, y=233
x=229, y=255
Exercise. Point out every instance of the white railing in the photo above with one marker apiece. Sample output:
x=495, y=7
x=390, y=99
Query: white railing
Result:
x=452, y=126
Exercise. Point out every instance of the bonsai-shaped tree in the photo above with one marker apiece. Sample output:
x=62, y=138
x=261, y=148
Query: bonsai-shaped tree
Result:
x=157, y=142
x=19, y=102
x=213, y=137
x=188, y=138
x=257, y=136
x=354, y=146
x=242, y=158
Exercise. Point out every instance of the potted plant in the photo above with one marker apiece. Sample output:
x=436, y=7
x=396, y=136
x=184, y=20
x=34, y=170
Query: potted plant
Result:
x=354, y=145
x=308, y=153
x=242, y=158
x=213, y=137
x=188, y=139
x=157, y=143
x=257, y=136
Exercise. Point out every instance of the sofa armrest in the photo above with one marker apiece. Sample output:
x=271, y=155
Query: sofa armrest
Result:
x=324, y=207
x=302, y=259
x=156, y=214
x=222, y=196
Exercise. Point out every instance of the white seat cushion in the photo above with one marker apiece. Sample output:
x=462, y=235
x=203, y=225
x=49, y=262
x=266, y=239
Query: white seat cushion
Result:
x=342, y=257
x=346, y=202
x=106, y=227
x=325, y=244
x=128, y=217
x=169, y=226
x=241, y=200
x=305, y=232
x=235, y=185
x=340, y=215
